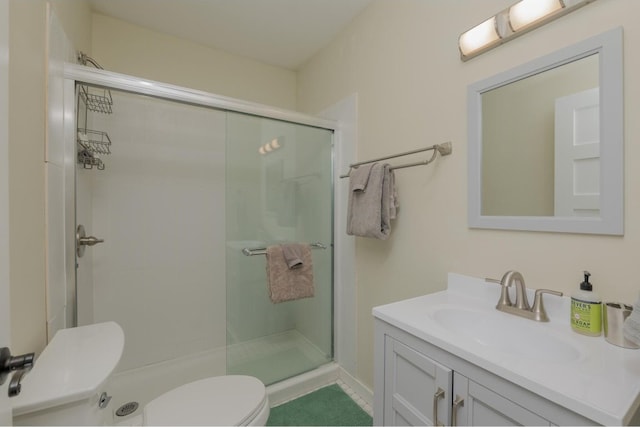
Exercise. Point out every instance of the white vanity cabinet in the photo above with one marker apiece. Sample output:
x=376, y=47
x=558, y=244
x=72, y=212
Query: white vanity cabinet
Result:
x=476, y=405
x=411, y=378
x=416, y=381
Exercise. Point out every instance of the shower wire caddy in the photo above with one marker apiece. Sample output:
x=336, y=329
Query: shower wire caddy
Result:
x=91, y=144
x=96, y=99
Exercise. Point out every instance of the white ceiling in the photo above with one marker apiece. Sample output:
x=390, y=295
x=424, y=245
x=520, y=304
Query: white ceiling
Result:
x=279, y=32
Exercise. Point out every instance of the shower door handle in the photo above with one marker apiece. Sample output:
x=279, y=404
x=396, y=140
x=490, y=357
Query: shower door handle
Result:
x=82, y=240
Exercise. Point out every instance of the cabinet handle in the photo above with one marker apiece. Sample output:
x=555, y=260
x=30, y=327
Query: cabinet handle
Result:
x=459, y=401
x=439, y=394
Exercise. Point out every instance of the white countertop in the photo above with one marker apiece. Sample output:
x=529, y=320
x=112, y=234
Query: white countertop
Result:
x=602, y=381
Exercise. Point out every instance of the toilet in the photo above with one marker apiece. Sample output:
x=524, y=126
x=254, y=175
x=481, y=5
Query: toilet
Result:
x=230, y=400
x=67, y=386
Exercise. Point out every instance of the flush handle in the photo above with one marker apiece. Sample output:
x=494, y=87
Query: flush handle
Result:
x=82, y=240
x=20, y=365
x=104, y=400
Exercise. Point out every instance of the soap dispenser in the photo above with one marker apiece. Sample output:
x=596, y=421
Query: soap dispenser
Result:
x=586, y=309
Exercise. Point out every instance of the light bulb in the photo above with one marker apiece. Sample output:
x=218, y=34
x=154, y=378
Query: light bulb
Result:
x=527, y=12
x=479, y=36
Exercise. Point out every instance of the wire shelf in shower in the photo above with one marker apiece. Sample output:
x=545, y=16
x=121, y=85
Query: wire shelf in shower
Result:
x=91, y=144
x=96, y=99
x=94, y=141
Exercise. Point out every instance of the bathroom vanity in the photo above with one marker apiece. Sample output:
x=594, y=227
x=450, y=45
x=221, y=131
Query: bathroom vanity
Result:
x=450, y=358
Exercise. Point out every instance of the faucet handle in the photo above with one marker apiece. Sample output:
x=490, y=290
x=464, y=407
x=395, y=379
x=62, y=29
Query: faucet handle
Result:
x=504, y=300
x=538, y=307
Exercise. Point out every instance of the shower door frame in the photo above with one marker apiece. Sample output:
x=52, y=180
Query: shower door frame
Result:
x=343, y=146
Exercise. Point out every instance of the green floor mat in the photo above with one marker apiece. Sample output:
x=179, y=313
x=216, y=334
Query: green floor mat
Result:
x=329, y=406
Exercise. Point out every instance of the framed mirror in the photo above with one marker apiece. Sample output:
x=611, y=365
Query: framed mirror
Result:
x=546, y=142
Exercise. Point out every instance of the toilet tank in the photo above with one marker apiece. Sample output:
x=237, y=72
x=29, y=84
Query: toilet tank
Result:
x=67, y=382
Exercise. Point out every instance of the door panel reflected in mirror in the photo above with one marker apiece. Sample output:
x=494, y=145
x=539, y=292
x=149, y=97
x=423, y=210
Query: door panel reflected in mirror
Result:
x=521, y=135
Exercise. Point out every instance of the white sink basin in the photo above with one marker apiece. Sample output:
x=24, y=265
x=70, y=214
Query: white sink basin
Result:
x=512, y=336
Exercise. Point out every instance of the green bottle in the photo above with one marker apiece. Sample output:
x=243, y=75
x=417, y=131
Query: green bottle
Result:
x=586, y=309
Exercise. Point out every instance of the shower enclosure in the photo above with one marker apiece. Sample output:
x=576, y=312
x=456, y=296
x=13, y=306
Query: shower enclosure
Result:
x=177, y=190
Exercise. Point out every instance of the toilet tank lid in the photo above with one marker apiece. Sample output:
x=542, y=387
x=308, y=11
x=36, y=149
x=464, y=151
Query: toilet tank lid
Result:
x=72, y=367
x=228, y=400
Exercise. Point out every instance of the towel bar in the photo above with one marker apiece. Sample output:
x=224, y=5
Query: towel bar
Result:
x=262, y=251
x=444, y=149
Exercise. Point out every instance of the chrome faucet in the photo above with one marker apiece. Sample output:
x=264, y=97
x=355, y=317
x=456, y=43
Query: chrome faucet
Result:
x=521, y=291
x=521, y=307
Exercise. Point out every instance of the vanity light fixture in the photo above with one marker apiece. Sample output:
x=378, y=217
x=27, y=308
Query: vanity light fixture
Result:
x=513, y=22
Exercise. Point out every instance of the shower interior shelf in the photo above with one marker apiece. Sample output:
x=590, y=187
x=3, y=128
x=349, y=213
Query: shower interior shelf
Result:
x=96, y=99
x=94, y=141
x=91, y=144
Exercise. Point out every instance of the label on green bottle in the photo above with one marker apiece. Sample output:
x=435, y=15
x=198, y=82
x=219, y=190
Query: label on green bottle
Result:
x=586, y=316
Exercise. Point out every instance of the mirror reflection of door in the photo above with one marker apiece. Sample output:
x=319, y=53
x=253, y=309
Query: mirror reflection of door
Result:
x=577, y=154
x=519, y=170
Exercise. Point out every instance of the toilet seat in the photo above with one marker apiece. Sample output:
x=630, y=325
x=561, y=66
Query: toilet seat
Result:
x=225, y=400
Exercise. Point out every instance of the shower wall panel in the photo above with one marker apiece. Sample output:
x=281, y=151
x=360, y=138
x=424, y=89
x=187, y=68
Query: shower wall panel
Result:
x=160, y=207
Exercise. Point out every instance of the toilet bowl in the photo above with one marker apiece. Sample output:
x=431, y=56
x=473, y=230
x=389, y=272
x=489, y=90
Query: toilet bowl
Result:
x=68, y=386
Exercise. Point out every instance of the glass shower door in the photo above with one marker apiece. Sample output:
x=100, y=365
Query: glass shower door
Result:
x=278, y=189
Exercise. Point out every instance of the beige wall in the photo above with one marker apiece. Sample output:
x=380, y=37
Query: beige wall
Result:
x=401, y=58
x=26, y=174
x=129, y=49
x=27, y=79
x=75, y=17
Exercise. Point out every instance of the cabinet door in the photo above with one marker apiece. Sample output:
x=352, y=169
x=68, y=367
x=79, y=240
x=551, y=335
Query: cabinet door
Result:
x=415, y=385
x=479, y=406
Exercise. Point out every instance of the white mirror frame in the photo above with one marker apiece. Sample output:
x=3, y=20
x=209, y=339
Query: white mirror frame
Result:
x=608, y=46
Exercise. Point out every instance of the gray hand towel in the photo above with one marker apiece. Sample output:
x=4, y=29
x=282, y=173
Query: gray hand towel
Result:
x=388, y=201
x=293, y=254
x=393, y=197
x=371, y=209
x=359, y=178
x=285, y=284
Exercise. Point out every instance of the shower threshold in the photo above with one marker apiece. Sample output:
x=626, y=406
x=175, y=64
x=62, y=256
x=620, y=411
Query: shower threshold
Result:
x=276, y=357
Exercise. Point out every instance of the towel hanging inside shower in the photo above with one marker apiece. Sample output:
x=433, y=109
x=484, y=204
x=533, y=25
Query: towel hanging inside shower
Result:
x=285, y=283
